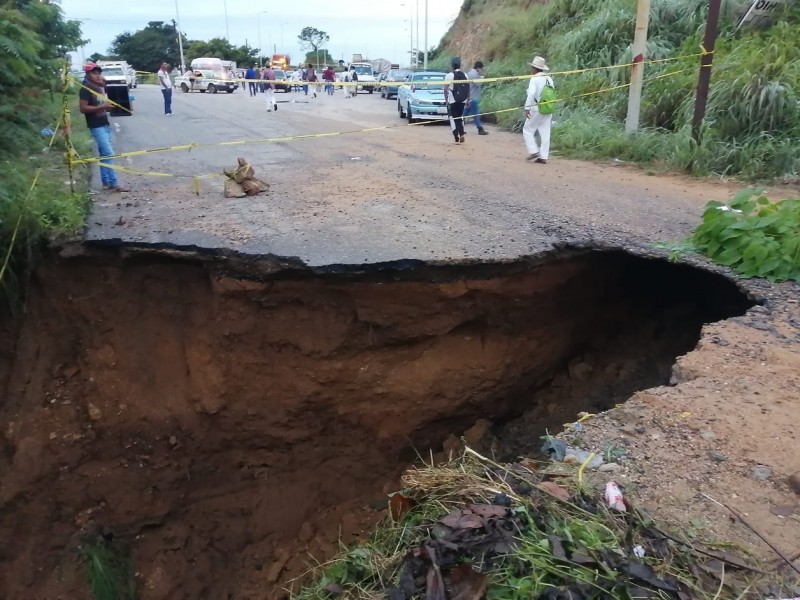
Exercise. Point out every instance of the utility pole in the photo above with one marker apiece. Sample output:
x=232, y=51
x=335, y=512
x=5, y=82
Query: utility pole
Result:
x=637, y=69
x=416, y=46
x=704, y=79
x=425, y=63
x=177, y=27
x=227, y=31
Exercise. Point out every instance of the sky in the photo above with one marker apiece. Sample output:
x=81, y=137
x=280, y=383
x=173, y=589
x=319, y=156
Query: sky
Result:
x=373, y=28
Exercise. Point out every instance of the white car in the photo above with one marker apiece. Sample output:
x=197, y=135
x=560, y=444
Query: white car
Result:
x=208, y=81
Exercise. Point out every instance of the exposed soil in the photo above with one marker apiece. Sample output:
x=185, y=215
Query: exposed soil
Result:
x=232, y=419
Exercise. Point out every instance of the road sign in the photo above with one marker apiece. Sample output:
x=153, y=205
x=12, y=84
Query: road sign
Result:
x=762, y=13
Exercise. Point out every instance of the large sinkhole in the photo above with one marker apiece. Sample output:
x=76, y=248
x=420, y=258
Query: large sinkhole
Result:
x=229, y=419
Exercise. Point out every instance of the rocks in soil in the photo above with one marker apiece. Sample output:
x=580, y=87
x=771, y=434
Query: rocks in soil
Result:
x=717, y=456
x=760, y=472
x=794, y=482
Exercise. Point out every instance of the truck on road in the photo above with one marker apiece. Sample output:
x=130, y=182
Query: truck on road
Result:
x=366, y=75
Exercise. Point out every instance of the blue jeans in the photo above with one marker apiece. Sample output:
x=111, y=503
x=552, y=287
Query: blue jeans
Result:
x=167, y=101
x=102, y=136
x=474, y=111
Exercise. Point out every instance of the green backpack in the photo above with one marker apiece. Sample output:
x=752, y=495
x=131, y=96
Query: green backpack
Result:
x=547, y=99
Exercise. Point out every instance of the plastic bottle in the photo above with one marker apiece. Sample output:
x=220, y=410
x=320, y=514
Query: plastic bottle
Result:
x=614, y=497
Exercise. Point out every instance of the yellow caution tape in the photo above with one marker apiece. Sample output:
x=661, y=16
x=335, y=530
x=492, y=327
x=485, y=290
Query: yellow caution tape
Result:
x=291, y=138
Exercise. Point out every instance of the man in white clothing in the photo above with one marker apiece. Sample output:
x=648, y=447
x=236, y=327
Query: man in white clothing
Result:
x=166, y=87
x=535, y=120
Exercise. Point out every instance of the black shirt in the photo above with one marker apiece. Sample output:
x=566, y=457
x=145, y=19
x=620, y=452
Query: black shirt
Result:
x=93, y=120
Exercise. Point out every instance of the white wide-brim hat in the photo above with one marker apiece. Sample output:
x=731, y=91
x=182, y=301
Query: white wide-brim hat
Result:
x=538, y=63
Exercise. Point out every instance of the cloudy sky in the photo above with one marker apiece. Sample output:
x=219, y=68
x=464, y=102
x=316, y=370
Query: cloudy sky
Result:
x=374, y=28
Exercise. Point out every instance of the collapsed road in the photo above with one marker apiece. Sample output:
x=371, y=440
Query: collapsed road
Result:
x=229, y=386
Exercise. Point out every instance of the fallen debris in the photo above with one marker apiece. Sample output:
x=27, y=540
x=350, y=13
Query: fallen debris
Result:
x=479, y=529
x=242, y=182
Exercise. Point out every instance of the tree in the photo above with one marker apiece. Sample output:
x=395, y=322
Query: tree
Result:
x=220, y=48
x=313, y=38
x=149, y=47
x=319, y=57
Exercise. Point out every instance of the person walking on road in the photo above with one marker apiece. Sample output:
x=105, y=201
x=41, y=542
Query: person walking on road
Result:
x=534, y=119
x=329, y=76
x=457, y=97
x=473, y=108
x=250, y=76
x=311, y=77
x=95, y=107
x=268, y=77
x=166, y=88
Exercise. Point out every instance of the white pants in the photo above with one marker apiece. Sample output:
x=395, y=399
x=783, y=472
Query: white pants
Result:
x=269, y=94
x=541, y=123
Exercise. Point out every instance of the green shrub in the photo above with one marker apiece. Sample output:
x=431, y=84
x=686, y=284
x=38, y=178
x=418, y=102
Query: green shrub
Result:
x=753, y=236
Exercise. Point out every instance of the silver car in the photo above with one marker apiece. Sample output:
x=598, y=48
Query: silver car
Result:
x=422, y=97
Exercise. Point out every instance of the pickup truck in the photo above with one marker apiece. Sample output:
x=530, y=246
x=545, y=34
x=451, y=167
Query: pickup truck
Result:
x=209, y=81
x=366, y=76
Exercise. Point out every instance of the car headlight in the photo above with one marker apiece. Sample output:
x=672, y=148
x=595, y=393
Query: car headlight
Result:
x=424, y=102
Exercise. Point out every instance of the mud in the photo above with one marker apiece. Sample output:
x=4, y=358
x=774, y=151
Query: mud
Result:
x=231, y=419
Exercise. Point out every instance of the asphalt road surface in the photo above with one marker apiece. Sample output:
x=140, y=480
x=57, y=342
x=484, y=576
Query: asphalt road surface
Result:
x=365, y=187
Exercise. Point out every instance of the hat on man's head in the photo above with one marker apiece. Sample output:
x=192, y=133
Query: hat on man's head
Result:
x=89, y=67
x=538, y=63
x=455, y=62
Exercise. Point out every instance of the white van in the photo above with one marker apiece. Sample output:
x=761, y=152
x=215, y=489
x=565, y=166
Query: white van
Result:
x=118, y=72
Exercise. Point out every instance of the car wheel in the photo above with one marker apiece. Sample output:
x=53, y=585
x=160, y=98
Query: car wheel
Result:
x=371, y=90
x=184, y=88
x=410, y=116
x=400, y=110
x=212, y=88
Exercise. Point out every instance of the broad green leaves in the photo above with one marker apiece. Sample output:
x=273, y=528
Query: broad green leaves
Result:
x=753, y=236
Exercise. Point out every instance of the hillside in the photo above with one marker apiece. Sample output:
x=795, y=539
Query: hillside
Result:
x=753, y=119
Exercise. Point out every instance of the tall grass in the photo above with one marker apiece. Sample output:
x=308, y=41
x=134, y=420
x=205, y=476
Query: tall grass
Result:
x=752, y=124
x=36, y=200
x=109, y=570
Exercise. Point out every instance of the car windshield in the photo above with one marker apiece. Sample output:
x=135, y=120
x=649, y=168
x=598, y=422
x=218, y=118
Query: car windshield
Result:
x=113, y=72
x=428, y=77
x=398, y=74
x=280, y=74
x=363, y=69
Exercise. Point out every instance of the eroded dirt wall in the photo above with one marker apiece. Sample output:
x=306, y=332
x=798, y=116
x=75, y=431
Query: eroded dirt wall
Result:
x=226, y=426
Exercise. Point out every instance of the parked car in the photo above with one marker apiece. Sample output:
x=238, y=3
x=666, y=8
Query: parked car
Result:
x=390, y=81
x=211, y=81
x=418, y=100
x=282, y=81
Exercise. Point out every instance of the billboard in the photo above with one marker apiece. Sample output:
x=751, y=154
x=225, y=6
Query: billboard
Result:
x=762, y=13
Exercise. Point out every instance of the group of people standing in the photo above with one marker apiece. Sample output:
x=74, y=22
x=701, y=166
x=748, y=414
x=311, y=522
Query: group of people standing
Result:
x=463, y=92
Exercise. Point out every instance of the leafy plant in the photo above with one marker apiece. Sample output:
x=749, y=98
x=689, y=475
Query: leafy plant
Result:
x=109, y=571
x=753, y=236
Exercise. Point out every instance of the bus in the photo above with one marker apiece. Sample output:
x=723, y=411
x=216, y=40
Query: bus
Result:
x=280, y=61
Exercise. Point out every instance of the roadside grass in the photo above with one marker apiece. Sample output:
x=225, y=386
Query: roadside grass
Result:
x=514, y=532
x=36, y=202
x=752, y=124
x=109, y=570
